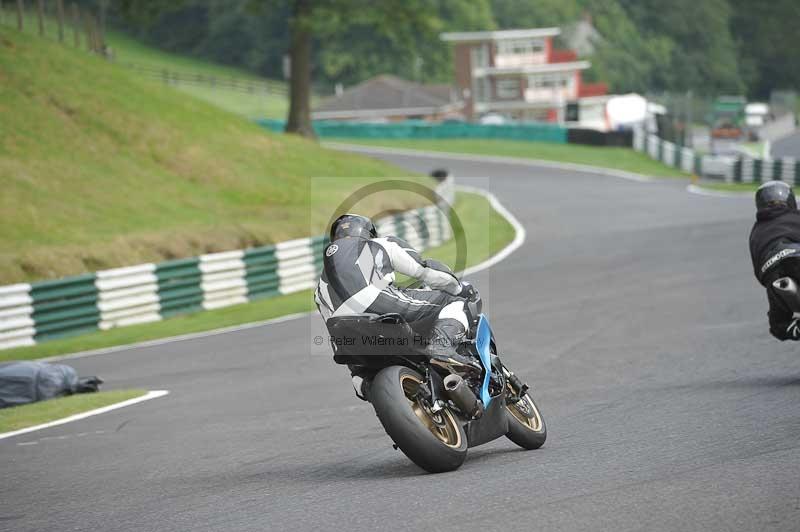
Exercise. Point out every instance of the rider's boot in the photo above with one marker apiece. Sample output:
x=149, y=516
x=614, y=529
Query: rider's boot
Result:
x=445, y=336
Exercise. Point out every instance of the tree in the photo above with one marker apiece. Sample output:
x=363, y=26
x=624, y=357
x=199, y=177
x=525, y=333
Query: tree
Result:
x=764, y=33
x=535, y=13
x=300, y=33
x=361, y=49
x=402, y=21
x=703, y=53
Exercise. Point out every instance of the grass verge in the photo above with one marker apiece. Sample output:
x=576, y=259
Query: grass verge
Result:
x=484, y=240
x=251, y=106
x=608, y=157
x=128, y=50
x=100, y=169
x=24, y=416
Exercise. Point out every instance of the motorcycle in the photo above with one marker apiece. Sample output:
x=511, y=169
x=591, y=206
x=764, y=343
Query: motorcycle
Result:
x=434, y=409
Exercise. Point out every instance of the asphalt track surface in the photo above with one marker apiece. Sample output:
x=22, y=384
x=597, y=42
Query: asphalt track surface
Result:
x=788, y=146
x=631, y=308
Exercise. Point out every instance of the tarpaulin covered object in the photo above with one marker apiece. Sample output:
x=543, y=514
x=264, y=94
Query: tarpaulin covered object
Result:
x=27, y=382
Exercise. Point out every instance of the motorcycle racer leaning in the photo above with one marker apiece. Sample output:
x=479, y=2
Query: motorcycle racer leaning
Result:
x=358, y=277
x=775, y=252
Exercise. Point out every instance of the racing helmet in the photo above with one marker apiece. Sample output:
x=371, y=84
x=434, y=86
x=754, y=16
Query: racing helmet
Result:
x=775, y=193
x=353, y=225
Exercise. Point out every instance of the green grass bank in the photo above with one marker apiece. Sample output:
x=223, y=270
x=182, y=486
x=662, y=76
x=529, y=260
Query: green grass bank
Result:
x=100, y=168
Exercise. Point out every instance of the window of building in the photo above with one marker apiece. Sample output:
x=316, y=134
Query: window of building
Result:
x=550, y=81
x=477, y=90
x=481, y=89
x=520, y=46
x=507, y=89
x=480, y=56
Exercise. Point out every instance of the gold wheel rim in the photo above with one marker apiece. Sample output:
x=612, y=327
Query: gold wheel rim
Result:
x=442, y=424
x=525, y=412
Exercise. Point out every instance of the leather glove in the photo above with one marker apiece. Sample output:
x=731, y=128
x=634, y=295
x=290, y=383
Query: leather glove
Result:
x=468, y=292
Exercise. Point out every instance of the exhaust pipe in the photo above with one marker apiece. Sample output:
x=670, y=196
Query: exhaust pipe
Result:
x=788, y=290
x=458, y=392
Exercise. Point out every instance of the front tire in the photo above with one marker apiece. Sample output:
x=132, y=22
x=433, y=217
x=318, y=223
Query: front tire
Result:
x=526, y=426
x=435, y=442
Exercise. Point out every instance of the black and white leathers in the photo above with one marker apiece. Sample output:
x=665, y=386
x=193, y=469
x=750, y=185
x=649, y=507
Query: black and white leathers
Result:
x=777, y=228
x=358, y=276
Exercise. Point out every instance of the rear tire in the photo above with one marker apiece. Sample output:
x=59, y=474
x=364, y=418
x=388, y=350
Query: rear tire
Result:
x=526, y=426
x=435, y=442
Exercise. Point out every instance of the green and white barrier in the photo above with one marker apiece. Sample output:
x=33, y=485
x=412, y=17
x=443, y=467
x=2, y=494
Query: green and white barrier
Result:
x=760, y=170
x=36, y=312
x=127, y=296
x=419, y=129
x=16, y=315
x=733, y=169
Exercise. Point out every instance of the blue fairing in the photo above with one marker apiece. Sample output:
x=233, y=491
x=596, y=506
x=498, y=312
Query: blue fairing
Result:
x=483, y=340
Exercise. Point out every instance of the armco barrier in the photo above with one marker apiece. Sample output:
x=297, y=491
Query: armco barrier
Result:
x=593, y=137
x=32, y=313
x=411, y=129
x=731, y=168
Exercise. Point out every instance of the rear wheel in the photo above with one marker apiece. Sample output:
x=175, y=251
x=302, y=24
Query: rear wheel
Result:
x=436, y=442
x=526, y=426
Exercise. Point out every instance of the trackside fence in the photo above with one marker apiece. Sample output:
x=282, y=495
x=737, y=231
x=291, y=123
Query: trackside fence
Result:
x=37, y=312
x=198, y=79
x=733, y=169
x=418, y=129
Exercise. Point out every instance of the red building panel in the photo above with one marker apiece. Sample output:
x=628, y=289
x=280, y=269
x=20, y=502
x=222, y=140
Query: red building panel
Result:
x=592, y=89
x=562, y=56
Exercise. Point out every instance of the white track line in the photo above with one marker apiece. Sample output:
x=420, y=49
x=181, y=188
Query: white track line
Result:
x=702, y=191
x=122, y=404
x=519, y=238
x=522, y=161
x=519, y=232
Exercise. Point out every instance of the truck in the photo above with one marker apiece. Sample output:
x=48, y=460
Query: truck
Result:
x=728, y=117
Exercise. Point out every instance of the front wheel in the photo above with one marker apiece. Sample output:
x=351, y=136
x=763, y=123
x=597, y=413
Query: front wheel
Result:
x=436, y=442
x=526, y=425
